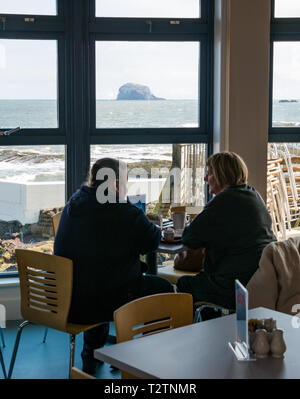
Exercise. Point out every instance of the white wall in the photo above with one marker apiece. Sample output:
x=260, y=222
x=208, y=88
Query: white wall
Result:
x=23, y=201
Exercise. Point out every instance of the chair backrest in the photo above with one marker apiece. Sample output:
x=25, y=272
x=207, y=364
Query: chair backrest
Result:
x=55, y=222
x=46, y=287
x=153, y=314
x=81, y=375
x=193, y=211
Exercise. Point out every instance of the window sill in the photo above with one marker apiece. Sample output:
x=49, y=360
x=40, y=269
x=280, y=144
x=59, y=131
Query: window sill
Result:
x=9, y=282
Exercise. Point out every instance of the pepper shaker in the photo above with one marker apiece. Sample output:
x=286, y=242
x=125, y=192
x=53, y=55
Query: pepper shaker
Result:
x=261, y=344
x=277, y=346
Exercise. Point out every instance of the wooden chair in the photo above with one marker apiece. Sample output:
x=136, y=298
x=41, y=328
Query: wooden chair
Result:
x=191, y=211
x=46, y=293
x=2, y=337
x=200, y=306
x=289, y=175
x=277, y=200
x=3, y=344
x=152, y=314
x=55, y=222
x=77, y=374
x=291, y=170
x=2, y=365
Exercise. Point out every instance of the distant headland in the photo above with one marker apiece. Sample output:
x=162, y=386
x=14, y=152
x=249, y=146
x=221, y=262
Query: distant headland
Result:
x=288, y=101
x=134, y=91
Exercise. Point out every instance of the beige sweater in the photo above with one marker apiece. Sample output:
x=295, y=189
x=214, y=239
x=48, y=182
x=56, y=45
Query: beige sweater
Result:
x=276, y=283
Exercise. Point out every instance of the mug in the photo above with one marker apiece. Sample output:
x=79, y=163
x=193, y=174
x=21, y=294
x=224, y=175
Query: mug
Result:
x=179, y=219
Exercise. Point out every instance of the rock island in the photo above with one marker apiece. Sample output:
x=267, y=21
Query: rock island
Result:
x=134, y=91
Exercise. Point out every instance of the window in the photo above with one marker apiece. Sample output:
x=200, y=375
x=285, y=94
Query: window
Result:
x=177, y=169
x=32, y=189
x=284, y=123
x=287, y=9
x=60, y=85
x=28, y=74
x=169, y=84
x=34, y=7
x=286, y=84
x=283, y=190
x=148, y=8
x=161, y=174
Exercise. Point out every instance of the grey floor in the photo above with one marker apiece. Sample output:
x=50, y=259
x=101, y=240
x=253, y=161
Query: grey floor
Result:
x=50, y=360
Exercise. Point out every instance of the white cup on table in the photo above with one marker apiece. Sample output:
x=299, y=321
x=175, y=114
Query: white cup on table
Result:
x=179, y=219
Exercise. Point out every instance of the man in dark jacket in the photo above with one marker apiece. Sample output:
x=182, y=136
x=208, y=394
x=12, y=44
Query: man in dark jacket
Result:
x=104, y=235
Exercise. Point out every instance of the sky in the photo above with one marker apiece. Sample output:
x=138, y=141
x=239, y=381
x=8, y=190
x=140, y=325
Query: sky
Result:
x=28, y=69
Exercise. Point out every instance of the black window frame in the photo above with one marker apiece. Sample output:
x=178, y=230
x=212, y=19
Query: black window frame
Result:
x=76, y=29
x=282, y=30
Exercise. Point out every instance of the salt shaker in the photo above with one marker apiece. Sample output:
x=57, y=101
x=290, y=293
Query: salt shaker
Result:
x=277, y=346
x=261, y=344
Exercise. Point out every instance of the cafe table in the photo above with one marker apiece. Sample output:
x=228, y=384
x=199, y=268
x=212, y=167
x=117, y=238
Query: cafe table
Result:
x=201, y=351
x=165, y=248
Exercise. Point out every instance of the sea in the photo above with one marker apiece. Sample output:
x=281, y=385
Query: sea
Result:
x=46, y=162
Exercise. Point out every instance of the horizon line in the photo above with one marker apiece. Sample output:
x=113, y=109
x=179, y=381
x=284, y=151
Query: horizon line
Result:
x=97, y=99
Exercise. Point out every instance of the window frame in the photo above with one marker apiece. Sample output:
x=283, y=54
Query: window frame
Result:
x=76, y=29
x=282, y=30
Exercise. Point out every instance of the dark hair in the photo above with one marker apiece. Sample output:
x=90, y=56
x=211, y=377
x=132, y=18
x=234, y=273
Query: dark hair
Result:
x=111, y=163
x=228, y=168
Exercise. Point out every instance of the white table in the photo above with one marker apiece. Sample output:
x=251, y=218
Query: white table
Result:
x=201, y=351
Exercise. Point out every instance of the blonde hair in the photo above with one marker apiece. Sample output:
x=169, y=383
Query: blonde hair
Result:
x=228, y=168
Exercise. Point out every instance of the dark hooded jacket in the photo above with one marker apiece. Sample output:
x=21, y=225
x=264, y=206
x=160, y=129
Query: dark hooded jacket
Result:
x=104, y=241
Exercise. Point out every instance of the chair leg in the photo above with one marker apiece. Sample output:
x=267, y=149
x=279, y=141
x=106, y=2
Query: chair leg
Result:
x=13, y=358
x=72, y=352
x=197, y=316
x=45, y=335
x=2, y=337
x=2, y=364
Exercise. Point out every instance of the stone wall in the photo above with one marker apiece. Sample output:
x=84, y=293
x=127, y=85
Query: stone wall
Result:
x=44, y=227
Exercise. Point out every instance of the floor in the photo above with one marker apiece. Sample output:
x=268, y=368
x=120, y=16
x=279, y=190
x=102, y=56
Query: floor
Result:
x=50, y=360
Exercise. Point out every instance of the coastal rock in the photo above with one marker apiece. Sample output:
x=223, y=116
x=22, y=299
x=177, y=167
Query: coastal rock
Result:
x=44, y=227
x=7, y=229
x=134, y=91
x=288, y=101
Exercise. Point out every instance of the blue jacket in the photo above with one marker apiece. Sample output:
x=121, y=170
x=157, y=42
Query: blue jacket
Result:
x=105, y=242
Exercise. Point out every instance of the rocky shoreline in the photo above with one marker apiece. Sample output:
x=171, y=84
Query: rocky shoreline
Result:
x=8, y=247
x=38, y=236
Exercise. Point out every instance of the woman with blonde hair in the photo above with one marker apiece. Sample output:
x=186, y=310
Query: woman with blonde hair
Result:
x=234, y=227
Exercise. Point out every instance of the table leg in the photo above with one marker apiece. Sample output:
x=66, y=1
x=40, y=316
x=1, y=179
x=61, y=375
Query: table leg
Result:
x=151, y=260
